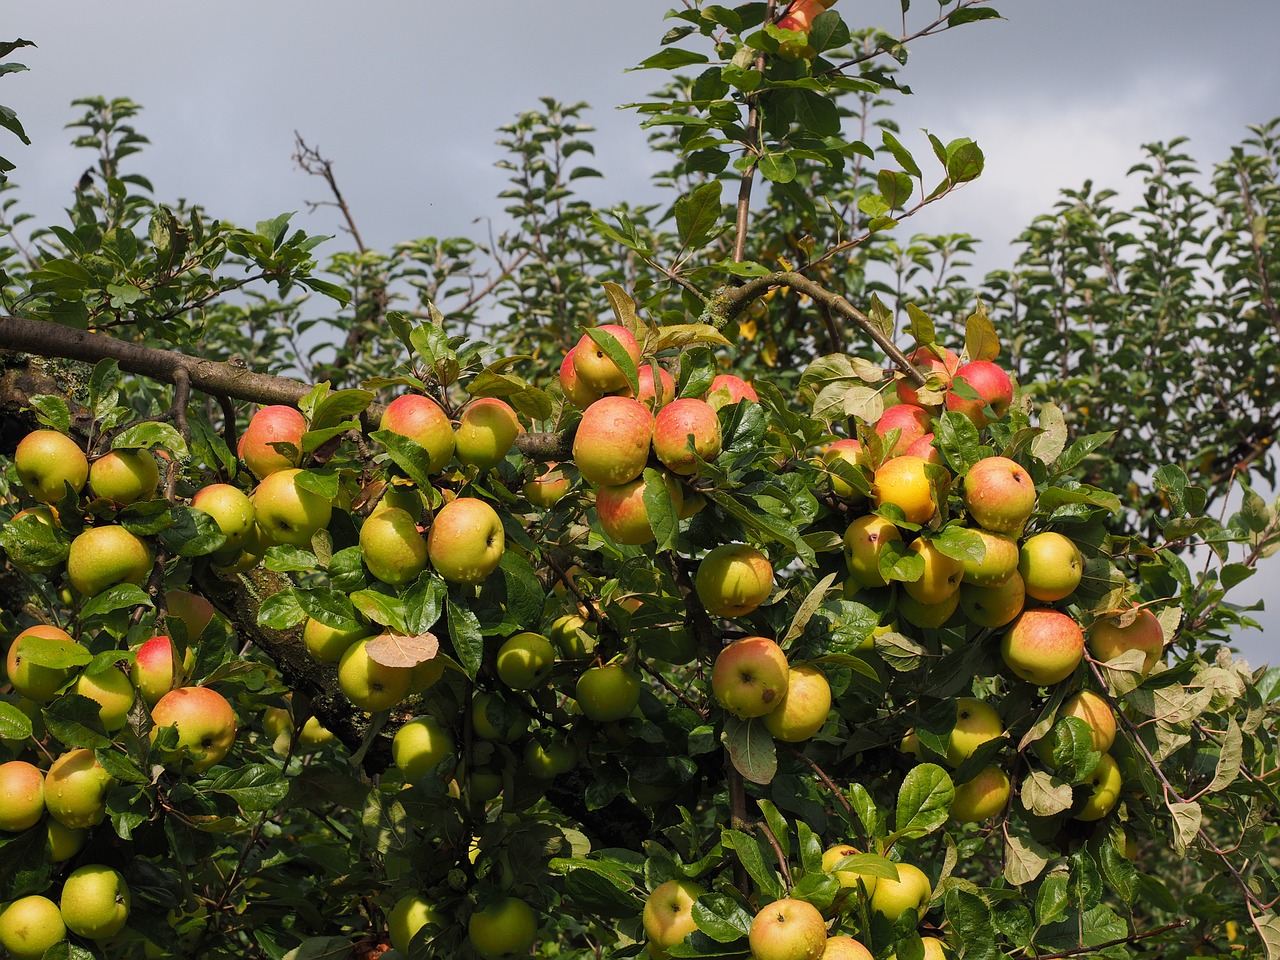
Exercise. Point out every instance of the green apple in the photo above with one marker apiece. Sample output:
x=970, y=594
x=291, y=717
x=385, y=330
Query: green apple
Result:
x=418, y=746
x=466, y=541
x=910, y=891
x=29, y=926
x=243, y=558
x=999, y=494
x=76, y=788
x=999, y=559
x=976, y=723
x=847, y=877
x=231, y=509
x=392, y=547
x=206, y=726
x=113, y=693
x=314, y=734
x=993, y=607
x=1104, y=789
x=1043, y=646
x=46, y=516
x=935, y=949
x=607, y=693
x=804, y=706
x=864, y=541
x=423, y=421
x=1051, y=566
x=668, y=915
x=288, y=513
x=123, y=476
x=403, y=496
x=368, y=684
x=33, y=679
x=546, y=758
x=495, y=719
x=525, y=660
x=594, y=368
x=95, y=902
x=505, y=928
x=905, y=482
x=102, y=557
x=486, y=431
x=1112, y=636
x=787, y=930
x=611, y=445
x=327, y=644
x=749, y=677
x=46, y=461
x=686, y=431
x=941, y=577
x=411, y=913
x=573, y=636
x=64, y=842
x=981, y=798
x=21, y=795
x=269, y=426
x=929, y=615
x=733, y=579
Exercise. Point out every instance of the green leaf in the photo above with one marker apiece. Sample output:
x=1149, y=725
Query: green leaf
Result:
x=123, y=596
x=901, y=154
x=614, y=350
x=895, y=187
x=74, y=720
x=923, y=800
x=382, y=609
x=673, y=58
x=751, y=854
x=777, y=167
x=679, y=335
x=142, y=436
x=54, y=654
x=970, y=918
x=410, y=456
x=281, y=610
x=751, y=748
x=52, y=412
x=1187, y=818
x=804, y=613
x=964, y=162
x=464, y=630
x=254, y=787
x=660, y=509
x=330, y=607
x=970, y=14
x=1044, y=794
x=14, y=724
x=1053, y=437
x=1077, y=452
x=698, y=214
x=721, y=918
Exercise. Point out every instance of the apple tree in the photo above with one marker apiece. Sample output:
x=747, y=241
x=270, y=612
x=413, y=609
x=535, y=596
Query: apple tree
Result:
x=728, y=596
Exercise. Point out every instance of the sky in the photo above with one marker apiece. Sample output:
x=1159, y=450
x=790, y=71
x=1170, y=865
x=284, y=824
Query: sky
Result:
x=405, y=99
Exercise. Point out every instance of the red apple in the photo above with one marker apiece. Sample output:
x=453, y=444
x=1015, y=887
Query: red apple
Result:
x=1043, y=646
x=423, y=421
x=647, y=392
x=684, y=424
x=727, y=389
x=749, y=677
x=931, y=365
x=271, y=425
x=613, y=439
x=205, y=721
x=990, y=382
x=1110, y=637
x=594, y=368
x=622, y=512
x=999, y=494
x=910, y=421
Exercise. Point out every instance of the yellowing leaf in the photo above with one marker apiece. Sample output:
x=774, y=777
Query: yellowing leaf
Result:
x=402, y=650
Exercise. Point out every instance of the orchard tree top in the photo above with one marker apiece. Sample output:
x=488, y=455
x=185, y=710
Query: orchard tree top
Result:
x=726, y=600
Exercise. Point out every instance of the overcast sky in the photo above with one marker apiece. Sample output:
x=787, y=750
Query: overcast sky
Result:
x=405, y=99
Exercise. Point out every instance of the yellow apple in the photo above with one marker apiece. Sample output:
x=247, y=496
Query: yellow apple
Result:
x=788, y=930
x=668, y=915
x=733, y=579
x=804, y=706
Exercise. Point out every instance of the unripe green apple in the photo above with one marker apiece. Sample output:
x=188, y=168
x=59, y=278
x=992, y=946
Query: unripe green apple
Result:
x=981, y=798
x=999, y=560
x=486, y=431
x=999, y=494
x=64, y=842
x=95, y=902
x=269, y=426
x=525, y=660
x=368, y=684
x=993, y=607
x=905, y=483
x=243, y=558
x=21, y=795
x=288, y=513
x=34, y=680
x=29, y=926
x=206, y=726
x=548, y=758
x=327, y=644
x=847, y=877
x=911, y=891
x=607, y=693
x=573, y=636
x=123, y=476
x=410, y=914
x=1110, y=637
x=231, y=509
x=113, y=693
x=102, y=557
x=976, y=723
x=505, y=928
x=788, y=930
x=76, y=788
x=421, y=420
x=733, y=579
x=668, y=915
x=749, y=678
x=941, y=577
x=686, y=431
x=418, y=746
x=612, y=442
x=804, y=706
x=1051, y=566
x=864, y=541
x=1043, y=646
x=487, y=711
x=466, y=540
x=594, y=368
x=47, y=461
x=911, y=422
x=1104, y=789
x=392, y=548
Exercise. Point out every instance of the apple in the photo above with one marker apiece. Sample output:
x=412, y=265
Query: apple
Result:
x=612, y=442
x=593, y=366
x=64, y=842
x=847, y=877
x=418, y=746
x=33, y=680
x=102, y=557
x=911, y=422
x=1104, y=789
x=647, y=391
x=486, y=431
x=1095, y=711
x=113, y=693
x=924, y=448
x=505, y=928
x=95, y=902
x=269, y=426
x=788, y=930
x=993, y=607
x=990, y=382
x=607, y=693
x=733, y=579
x=21, y=795
x=573, y=387
x=668, y=915
x=977, y=722
x=525, y=660
x=1043, y=646
x=911, y=891
x=935, y=949
x=46, y=461
x=928, y=615
x=230, y=508
x=999, y=494
x=999, y=560
x=29, y=926
x=548, y=488
x=466, y=540
x=314, y=734
x=421, y=420
x=804, y=707
x=156, y=669
x=411, y=913
x=487, y=712
x=936, y=363
x=904, y=482
x=1108, y=638
x=548, y=758
x=327, y=644
x=622, y=512
x=288, y=513
x=392, y=547
x=981, y=798
x=76, y=788
x=685, y=432
x=194, y=611
x=1051, y=566
x=864, y=541
x=572, y=636
x=847, y=451
x=727, y=389
x=368, y=684
x=206, y=726
x=404, y=496
x=800, y=15
x=845, y=948
x=123, y=476
x=248, y=556
x=941, y=577
x=749, y=677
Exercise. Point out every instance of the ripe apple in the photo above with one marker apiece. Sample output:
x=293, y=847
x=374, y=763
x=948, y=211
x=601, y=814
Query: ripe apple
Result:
x=607, y=693
x=788, y=930
x=1043, y=646
x=288, y=513
x=411, y=913
x=999, y=494
x=76, y=788
x=935, y=949
x=941, y=577
x=864, y=541
x=981, y=798
x=845, y=948
x=1095, y=711
x=572, y=386
x=622, y=512
x=47, y=461
x=466, y=540
x=29, y=926
x=904, y=482
x=928, y=615
x=847, y=451
x=421, y=420
x=925, y=449
x=102, y=557
x=726, y=389
x=668, y=915
x=911, y=422
x=593, y=366
x=113, y=693
x=847, y=877
x=990, y=382
x=21, y=795
x=911, y=891
x=686, y=431
x=977, y=722
x=804, y=706
x=194, y=611
x=733, y=579
x=156, y=669
x=368, y=684
x=749, y=678
x=95, y=902
x=647, y=391
x=1104, y=789
x=206, y=726
x=327, y=644
x=123, y=476
x=486, y=431
x=525, y=660
x=392, y=548
x=1051, y=566
x=933, y=366
x=1108, y=639
x=999, y=560
x=271, y=425
x=231, y=509
x=613, y=439
x=505, y=928
x=993, y=607
x=30, y=679
x=418, y=746
x=548, y=488
x=248, y=556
